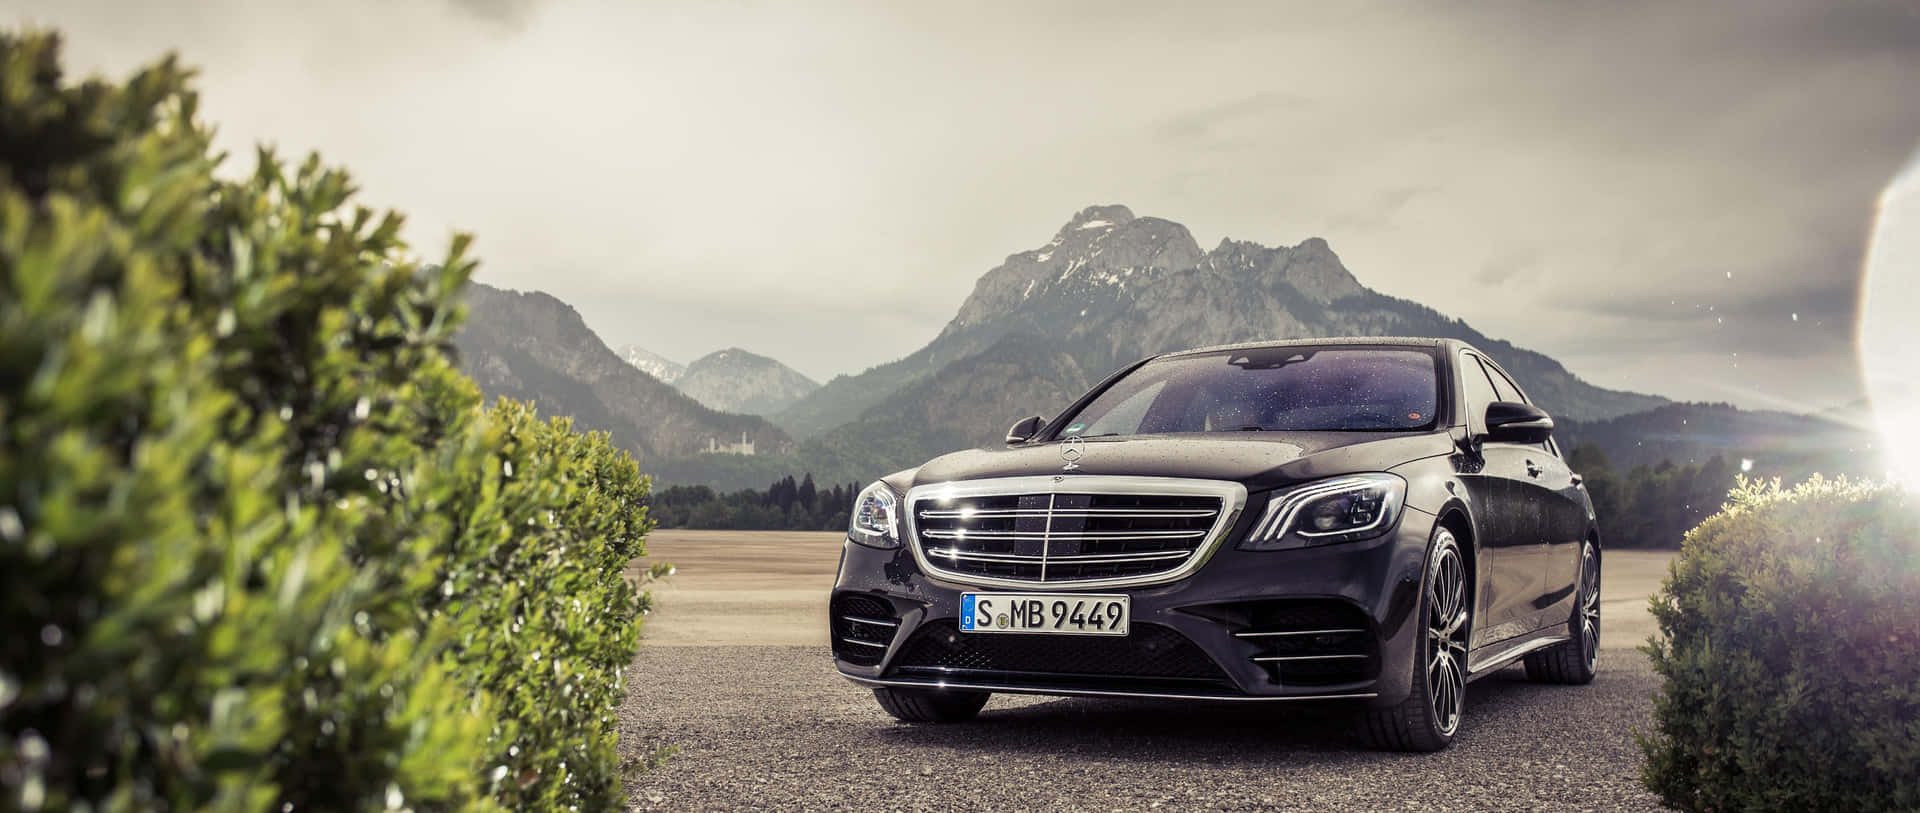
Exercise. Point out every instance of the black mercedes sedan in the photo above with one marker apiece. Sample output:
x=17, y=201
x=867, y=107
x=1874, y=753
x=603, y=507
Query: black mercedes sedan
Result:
x=1374, y=522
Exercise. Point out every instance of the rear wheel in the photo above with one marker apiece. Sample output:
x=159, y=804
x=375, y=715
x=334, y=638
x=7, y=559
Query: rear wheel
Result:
x=1573, y=662
x=1429, y=717
x=927, y=706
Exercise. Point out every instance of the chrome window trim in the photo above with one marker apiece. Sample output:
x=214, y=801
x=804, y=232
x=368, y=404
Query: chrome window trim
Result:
x=1232, y=495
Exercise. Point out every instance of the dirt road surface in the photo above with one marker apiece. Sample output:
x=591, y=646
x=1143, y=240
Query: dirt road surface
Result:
x=735, y=673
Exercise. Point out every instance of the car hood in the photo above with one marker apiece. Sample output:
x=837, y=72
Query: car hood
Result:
x=1256, y=459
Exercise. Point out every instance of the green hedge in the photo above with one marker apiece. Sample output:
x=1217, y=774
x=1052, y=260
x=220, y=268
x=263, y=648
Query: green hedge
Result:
x=260, y=545
x=1791, y=652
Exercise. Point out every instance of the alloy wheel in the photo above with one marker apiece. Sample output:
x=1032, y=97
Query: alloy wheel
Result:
x=1590, y=605
x=1447, y=636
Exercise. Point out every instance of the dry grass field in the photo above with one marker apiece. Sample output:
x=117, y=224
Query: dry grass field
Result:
x=769, y=588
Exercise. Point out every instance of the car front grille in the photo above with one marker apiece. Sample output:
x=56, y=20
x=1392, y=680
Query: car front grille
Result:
x=1089, y=531
x=1150, y=652
x=863, y=627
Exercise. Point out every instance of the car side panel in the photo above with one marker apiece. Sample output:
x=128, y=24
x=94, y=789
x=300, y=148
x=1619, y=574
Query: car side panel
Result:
x=1515, y=550
x=1570, y=517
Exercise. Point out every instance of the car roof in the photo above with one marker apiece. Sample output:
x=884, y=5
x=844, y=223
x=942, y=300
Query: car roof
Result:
x=1375, y=341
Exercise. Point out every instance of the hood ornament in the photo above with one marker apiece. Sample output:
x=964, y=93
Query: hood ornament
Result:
x=1071, y=450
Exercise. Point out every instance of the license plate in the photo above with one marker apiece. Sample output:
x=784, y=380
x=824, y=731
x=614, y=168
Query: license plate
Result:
x=1061, y=613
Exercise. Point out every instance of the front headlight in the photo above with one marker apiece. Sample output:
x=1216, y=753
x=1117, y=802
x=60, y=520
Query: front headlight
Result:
x=875, y=518
x=1343, y=509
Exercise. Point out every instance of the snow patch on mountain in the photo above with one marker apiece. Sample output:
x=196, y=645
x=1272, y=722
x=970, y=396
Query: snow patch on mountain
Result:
x=651, y=363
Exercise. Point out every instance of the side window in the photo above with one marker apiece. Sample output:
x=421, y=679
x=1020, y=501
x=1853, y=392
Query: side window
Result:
x=1479, y=392
x=1504, y=386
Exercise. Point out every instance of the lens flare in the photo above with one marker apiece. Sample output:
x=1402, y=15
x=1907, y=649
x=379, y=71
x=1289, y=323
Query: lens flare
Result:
x=1889, y=339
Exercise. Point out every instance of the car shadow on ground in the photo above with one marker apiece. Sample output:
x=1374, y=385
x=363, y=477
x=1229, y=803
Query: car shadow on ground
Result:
x=1224, y=733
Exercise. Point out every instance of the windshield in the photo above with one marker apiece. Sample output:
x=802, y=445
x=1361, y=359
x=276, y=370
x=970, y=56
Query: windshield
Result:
x=1299, y=389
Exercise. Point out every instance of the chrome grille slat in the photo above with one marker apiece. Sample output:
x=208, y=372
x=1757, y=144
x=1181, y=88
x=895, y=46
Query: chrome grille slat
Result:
x=1110, y=536
x=946, y=553
x=993, y=513
x=1064, y=532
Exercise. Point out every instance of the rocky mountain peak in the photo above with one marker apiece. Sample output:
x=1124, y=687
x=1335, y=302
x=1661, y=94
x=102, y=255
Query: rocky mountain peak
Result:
x=1086, y=268
x=651, y=363
x=1310, y=268
x=1096, y=217
x=1315, y=271
x=736, y=380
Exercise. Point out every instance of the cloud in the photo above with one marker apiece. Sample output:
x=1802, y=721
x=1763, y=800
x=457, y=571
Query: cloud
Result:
x=828, y=180
x=1497, y=271
x=1381, y=209
x=1214, y=125
x=508, y=12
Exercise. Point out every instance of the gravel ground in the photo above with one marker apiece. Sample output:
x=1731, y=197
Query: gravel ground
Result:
x=775, y=728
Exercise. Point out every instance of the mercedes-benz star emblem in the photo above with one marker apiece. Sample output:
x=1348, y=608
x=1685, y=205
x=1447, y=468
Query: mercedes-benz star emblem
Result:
x=1071, y=451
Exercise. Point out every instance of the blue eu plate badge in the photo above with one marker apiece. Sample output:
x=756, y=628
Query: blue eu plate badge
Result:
x=966, y=611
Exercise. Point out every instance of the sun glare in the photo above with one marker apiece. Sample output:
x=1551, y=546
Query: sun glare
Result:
x=1889, y=340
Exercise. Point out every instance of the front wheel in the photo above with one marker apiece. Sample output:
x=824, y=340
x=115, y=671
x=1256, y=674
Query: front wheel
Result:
x=927, y=706
x=1429, y=717
x=1573, y=662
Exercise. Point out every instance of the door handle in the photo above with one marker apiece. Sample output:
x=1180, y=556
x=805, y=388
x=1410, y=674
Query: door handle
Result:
x=1533, y=470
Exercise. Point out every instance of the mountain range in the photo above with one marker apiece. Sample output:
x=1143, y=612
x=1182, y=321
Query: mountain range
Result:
x=734, y=380
x=533, y=347
x=1111, y=288
x=1036, y=331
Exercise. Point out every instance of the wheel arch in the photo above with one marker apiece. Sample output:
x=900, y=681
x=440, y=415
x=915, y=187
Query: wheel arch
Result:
x=1454, y=518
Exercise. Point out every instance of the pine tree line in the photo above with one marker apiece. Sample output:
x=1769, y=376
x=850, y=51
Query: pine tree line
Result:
x=1651, y=506
x=785, y=505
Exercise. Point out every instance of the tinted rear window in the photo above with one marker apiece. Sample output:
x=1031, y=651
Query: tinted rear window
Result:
x=1269, y=389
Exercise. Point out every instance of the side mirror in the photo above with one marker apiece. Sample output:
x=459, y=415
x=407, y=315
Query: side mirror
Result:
x=1025, y=430
x=1513, y=422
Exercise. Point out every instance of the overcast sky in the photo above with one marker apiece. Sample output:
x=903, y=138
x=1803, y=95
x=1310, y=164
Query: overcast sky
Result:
x=1649, y=192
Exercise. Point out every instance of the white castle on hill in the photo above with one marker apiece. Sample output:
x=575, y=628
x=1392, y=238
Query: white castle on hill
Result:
x=744, y=447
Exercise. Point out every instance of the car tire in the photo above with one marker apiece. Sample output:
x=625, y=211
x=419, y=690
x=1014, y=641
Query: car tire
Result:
x=927, y=706
x=1573, y=663
x=1430, y=716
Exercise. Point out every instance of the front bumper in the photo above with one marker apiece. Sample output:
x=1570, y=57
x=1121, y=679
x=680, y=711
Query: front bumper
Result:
x=1326, y=623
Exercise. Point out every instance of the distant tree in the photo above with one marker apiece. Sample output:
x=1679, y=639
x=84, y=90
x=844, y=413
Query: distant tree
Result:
x=807, y=492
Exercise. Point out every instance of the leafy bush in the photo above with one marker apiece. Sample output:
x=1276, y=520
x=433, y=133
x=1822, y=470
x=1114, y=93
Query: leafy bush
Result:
x=259, y=544
x=1791, y=652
